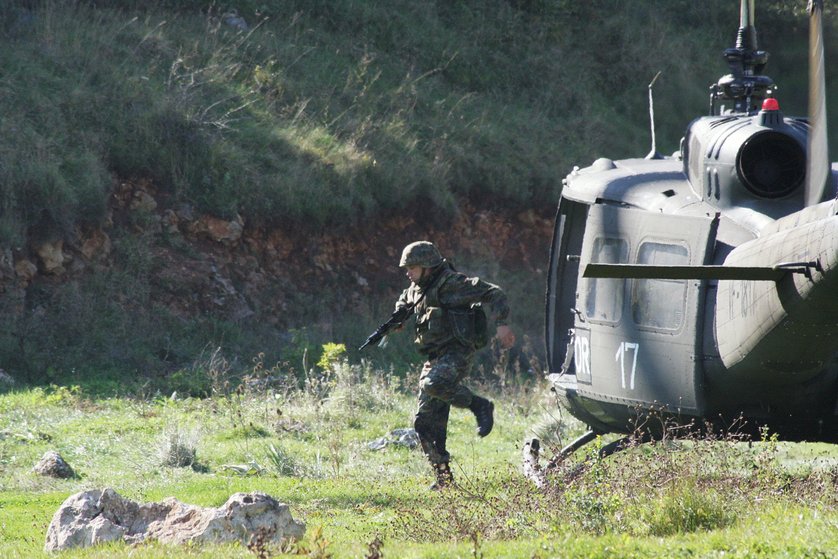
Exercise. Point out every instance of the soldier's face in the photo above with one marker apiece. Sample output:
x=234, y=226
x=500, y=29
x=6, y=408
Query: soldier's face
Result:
x=414, y=273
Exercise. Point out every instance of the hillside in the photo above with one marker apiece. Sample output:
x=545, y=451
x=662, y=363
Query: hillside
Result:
x=181, y=176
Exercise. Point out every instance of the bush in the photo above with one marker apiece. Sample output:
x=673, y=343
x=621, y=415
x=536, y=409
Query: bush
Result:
x=178, y=449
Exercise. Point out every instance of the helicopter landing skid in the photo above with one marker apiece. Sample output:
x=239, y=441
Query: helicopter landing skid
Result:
x=532, y=448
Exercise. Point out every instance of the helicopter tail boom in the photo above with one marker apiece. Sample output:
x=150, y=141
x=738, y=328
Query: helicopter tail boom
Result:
x=782, y=330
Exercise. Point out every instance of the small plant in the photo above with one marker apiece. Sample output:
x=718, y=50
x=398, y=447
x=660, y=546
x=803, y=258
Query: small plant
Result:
x=332, y=354
x=592, y=498
x=335, y=454
x=476, y=553
x=687, y=508
x=63, y=395
x=258, y=543
x=178, y=449
x=319, y=546
x=374, y=549
x=766, y=472
x=282, y=462
x=550, y=429
x=208, y=375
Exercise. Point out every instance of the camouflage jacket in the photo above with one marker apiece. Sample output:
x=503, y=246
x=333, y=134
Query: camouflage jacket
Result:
x=450, y=291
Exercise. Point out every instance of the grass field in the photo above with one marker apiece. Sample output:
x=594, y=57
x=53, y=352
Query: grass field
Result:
x=306, y=445
x=340, y=113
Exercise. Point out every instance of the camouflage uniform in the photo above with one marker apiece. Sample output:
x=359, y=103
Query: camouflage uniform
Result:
x=449, y=357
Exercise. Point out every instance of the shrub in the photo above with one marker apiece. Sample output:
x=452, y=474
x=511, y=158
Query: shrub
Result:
x=178, y=449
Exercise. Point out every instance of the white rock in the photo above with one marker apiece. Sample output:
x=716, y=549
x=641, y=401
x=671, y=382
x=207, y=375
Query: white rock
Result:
x=99, y=516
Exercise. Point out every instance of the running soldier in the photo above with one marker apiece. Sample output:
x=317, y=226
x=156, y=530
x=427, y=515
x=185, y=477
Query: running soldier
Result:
x=452, y=312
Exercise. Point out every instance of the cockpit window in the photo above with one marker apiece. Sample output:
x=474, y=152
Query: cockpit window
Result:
x=604, y=296
x=660, y=303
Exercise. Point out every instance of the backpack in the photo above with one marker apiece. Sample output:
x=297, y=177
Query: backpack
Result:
x=470, y=326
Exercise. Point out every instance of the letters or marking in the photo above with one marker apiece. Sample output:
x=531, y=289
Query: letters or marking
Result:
x=582, y=358
x=742, y=298
x=620, y=356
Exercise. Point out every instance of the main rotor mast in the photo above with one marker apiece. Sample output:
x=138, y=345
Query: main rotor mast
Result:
x=745, y=86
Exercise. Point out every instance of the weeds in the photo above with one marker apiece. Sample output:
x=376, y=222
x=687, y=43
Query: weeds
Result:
x=209, y=374
x=685, y=508
x=283, y=463
x=318, y=549
x=688, y=482
x=374, y=549
x=653, y=493
x=179, y=449
x=258, y=544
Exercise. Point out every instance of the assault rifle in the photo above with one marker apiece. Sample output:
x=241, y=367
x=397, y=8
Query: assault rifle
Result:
x=396, y=319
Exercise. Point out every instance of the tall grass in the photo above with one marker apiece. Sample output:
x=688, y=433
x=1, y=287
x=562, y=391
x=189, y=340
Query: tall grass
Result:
x=333, y=112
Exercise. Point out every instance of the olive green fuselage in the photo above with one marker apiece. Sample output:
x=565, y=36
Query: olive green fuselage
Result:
x=709, y=305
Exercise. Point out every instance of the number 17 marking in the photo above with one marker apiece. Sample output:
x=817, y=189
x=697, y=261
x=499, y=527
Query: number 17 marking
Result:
x=621, y=357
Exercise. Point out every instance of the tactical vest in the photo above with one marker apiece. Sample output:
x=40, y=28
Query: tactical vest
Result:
x=433, y=330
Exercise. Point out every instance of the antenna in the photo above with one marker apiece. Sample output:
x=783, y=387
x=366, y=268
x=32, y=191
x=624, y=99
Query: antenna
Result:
x=653, y=154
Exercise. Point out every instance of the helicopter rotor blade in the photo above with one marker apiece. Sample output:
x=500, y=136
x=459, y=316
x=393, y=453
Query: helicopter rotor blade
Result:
x=818, y=166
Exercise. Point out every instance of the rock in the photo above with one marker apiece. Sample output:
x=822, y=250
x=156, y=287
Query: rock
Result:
x=406, y=437
x=53, y=465
x=52, y=256
x=100, y=516
x=361, y=281
x=96, y=243
x=185, y=212
x=143, y=201
x=170, y=222
x=25, y=269
x=226, y=298
x=219, y=230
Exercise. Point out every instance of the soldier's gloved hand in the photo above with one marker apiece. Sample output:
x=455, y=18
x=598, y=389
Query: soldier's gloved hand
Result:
x=505, y=336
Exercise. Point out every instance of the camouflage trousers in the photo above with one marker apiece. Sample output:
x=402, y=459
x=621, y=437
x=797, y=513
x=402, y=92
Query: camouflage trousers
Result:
x=439, y=389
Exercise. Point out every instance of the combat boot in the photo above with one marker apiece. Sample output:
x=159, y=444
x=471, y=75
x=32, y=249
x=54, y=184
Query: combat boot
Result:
x=444, y=477
x=483, y=411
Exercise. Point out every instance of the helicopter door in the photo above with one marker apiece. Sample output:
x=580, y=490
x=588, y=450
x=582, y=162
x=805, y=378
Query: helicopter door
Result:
x=561, y=281
x=640, y=336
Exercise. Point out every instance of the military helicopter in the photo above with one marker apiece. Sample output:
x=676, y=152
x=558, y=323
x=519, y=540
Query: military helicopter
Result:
x=704, y=286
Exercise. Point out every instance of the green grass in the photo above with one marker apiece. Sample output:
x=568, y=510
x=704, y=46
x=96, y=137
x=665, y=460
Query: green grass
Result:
x=308, y=448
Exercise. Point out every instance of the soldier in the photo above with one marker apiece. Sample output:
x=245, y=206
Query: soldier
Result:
x=448, y=332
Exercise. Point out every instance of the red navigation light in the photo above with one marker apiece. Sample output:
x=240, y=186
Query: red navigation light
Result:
x=770, y=104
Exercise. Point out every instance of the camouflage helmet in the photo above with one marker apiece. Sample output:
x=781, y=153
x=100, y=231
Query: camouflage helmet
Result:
x=420, y=253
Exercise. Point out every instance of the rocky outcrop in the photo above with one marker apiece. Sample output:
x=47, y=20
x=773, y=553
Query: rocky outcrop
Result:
x=101, y=516
x=202, y=266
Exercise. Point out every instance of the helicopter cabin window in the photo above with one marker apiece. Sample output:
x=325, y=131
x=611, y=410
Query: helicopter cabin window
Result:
x=604, y=297
x=660, y=303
